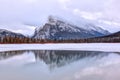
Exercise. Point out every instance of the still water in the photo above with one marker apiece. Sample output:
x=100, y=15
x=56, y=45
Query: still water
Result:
x=59, y=65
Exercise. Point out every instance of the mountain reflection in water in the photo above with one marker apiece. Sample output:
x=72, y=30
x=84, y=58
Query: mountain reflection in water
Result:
x=59, y=65
x=55, y=58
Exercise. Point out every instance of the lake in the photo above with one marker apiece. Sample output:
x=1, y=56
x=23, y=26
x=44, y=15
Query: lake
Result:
x=59, y=65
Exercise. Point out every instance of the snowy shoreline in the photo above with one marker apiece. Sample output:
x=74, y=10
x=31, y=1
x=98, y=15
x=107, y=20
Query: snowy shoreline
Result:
x=107, y=47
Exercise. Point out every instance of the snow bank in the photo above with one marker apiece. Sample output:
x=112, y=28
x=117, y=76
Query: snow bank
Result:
x=109, y=47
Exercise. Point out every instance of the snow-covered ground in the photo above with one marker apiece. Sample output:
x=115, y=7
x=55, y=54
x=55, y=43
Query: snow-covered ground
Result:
x=109, y=47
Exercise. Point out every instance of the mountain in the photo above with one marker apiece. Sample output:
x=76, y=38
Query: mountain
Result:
x=58, y=29
x=112, y=38
x=115, y=37
x=117, y=34
x=5, y=33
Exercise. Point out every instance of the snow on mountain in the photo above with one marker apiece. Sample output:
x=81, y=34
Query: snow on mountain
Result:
x=57, y=28
x=26, y=29
x=85, y=24
x=4, y=33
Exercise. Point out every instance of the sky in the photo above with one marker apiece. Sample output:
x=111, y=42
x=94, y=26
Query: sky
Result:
x=23, y=16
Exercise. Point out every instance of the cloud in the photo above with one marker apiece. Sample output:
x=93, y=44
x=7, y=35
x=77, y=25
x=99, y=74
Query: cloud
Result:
x=64, y=3
x=35, y=12
x=112, y=10
x=88, y=15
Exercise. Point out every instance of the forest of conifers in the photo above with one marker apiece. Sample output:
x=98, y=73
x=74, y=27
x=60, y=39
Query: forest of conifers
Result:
x=17, y=40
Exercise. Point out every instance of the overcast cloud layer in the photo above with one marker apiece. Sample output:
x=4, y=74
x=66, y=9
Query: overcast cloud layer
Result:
x=24, y=15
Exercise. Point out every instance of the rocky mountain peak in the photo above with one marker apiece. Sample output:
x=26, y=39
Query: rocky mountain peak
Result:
x=57, y=28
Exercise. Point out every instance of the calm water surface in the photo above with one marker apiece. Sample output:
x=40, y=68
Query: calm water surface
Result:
x=59, y=65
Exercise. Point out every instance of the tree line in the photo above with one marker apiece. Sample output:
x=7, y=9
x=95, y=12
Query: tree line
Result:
x=17, y=39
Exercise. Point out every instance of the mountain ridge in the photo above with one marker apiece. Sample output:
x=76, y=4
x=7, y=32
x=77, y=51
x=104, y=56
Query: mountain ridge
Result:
x=55, y=28
x=4, y=32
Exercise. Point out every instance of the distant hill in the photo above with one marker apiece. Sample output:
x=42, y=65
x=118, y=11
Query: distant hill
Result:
x=115, y=37
x=11, y=37
x=4, y=33
x=112, y=38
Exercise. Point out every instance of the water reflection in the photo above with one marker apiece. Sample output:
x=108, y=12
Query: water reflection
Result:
x=54, y=58
x=61, y=58
x=59, y=65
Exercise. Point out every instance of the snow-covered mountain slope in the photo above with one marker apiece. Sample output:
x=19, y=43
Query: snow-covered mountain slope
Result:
x=57, y=28
x=22, y=28
x=4, y=33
